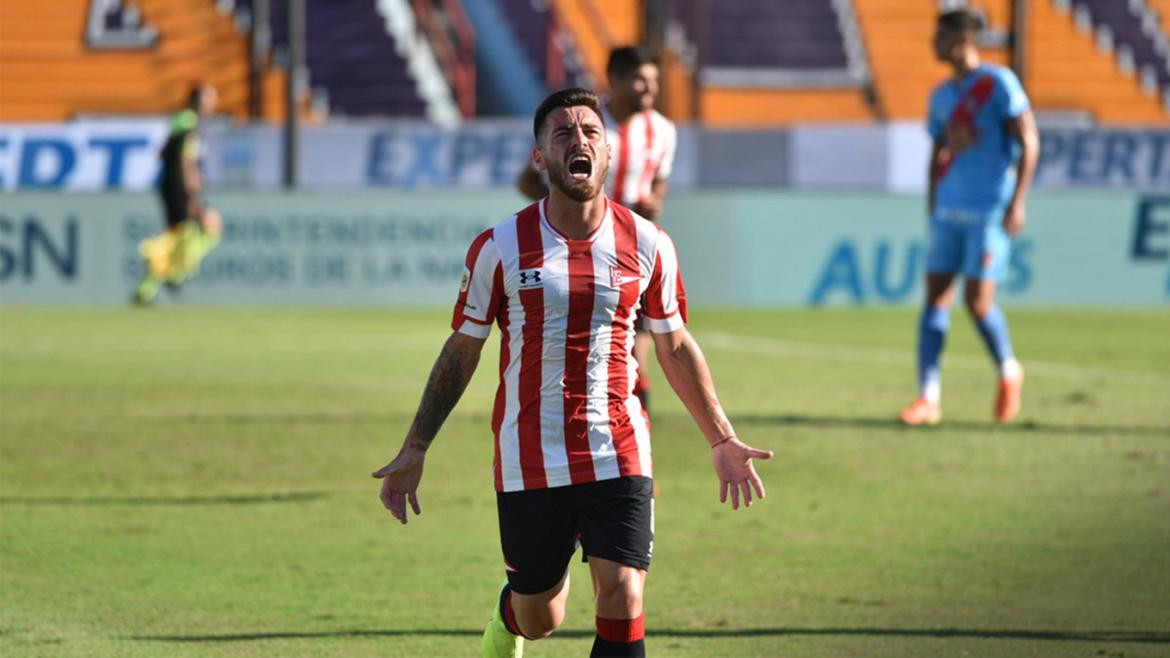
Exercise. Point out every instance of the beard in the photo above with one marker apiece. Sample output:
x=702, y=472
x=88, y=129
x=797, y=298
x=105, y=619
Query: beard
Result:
x=578, y=190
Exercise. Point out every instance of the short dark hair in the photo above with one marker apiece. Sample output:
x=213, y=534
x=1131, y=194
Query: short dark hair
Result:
x=962, y=20
x=571, y=97
x=627, y=59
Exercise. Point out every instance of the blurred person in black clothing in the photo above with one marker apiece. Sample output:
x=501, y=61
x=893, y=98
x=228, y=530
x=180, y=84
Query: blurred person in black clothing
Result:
x=193, y=229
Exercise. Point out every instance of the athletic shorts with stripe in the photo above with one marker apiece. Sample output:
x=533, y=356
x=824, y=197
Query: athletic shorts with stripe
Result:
x=540, y=528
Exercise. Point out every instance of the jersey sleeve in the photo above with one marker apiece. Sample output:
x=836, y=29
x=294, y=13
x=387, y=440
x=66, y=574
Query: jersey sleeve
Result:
x=481, y=289
x=1014, y=101
x=664, y=304
x=670, y=144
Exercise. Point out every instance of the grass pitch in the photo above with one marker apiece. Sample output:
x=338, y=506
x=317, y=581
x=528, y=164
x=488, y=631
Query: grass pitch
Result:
x=196, y=482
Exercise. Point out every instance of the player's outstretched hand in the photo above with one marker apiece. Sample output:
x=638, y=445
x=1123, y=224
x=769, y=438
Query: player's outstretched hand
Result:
x=1014, y=218
x=733, y=466
x=400, y=480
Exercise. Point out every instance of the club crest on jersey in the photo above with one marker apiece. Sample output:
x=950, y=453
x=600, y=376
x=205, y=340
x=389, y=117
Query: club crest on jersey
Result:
x=465, y=282
x=530, y=279
x=617, y=277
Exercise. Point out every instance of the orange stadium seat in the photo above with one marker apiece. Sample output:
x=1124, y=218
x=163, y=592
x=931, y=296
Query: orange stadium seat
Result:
x=1163, y=9
x=678, y=86
x=730, y=107
x=597, y=26
x=623, y=18
x=49, y=73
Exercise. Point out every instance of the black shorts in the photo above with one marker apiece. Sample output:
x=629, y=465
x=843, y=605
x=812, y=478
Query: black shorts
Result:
x=540, y=529
x=177, y=206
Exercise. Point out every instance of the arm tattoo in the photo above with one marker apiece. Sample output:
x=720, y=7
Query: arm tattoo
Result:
x=448, y=379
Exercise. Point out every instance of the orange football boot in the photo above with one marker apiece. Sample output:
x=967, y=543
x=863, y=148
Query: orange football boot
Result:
x=921, y=412
x=1007, y=400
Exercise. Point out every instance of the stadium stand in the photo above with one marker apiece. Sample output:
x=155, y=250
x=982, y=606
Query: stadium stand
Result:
x=755, y=78
x=54, y=64
x=533, y=29
x=451, y=37
x=509, y=80
x=1161, y=9
x=386, y=57
x=800, y=35
x=898, y=38
x=1134, y=34
x=594, y=27
x=768, y=63
x=543, y=40
x=1065, y=71
x=1068, y=70
x=342, y=40
x=757, y=62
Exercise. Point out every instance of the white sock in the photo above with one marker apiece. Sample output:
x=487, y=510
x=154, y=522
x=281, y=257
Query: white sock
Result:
x=1010, y=369
x=931, y=391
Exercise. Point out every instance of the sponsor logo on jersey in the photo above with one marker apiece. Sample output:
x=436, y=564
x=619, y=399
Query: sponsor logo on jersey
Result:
x=530, y=279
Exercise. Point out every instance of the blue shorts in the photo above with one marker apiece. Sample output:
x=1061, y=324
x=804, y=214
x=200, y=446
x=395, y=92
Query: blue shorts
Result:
x=977, y=251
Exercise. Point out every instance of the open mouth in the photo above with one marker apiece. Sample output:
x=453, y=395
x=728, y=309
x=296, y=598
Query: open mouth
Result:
x=580, y=167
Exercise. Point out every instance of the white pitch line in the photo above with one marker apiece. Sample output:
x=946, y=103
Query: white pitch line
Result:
x=873, y=354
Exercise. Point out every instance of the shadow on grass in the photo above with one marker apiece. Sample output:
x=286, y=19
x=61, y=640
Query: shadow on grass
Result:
x=1150, y=637
x=892, y=423
x=148, y=501
x=303, y=418
x=888, y=423
x=298, y=418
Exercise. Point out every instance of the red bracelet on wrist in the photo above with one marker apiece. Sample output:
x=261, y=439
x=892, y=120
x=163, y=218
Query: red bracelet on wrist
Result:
x=722, y=441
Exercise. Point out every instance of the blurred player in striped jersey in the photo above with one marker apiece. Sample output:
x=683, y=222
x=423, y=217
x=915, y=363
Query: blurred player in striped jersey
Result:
x=643, y=143
x=563, y=280
x=193, y=229
x=981, y=168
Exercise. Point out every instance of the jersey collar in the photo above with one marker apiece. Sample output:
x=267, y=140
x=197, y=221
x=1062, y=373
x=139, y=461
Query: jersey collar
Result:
x=605, y=223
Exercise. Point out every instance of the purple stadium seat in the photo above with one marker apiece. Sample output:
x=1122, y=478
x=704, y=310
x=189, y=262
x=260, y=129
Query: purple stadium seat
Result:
x=765, y=34
x=531, y=27
x=350, y=55
x=533, y=24
x=1127, y=29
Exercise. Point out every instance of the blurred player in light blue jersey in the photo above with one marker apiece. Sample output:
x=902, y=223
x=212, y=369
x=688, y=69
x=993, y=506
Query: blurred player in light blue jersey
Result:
x=981, y=167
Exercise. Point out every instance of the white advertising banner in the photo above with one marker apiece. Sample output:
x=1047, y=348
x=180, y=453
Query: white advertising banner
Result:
x=737, y=248
x=93, y=155
x=83, y=155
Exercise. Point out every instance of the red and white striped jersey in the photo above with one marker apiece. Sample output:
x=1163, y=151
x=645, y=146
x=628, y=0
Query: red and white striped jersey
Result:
x=564, y=411
x=643, y=151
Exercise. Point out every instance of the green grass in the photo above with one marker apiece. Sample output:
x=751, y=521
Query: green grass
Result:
x=195, y=482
